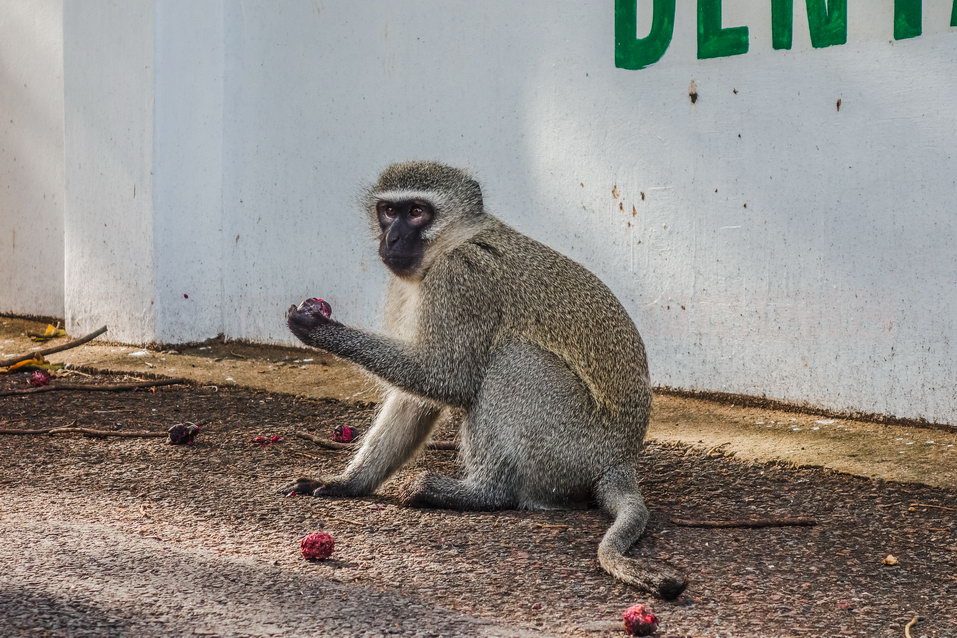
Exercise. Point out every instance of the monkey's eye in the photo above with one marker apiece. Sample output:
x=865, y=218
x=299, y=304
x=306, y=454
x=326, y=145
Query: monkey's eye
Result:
x=386, y=210
x=416, y=212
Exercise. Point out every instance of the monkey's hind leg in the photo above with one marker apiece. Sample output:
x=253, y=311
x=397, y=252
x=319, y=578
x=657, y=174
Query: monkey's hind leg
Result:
x=401, y=428
x=618, y=493
x=471, y=493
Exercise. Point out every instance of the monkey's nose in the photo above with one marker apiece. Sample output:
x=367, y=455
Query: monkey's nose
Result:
x=392, y=237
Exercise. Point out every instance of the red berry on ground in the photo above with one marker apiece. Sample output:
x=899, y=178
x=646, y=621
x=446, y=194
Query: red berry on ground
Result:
x=316, y=546
x=344, y=434
x=639, y=621
x=40, y=377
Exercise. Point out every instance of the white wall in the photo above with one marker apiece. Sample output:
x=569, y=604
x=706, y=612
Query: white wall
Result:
x=765, y=241
x=782, y=247
x=144, y=102
x=31, y=158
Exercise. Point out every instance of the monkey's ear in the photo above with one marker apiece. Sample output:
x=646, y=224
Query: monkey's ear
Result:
x=367, y=200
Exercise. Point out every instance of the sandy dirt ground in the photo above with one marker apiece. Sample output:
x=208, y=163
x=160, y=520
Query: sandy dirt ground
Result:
x=891, y=452
x=134, y=537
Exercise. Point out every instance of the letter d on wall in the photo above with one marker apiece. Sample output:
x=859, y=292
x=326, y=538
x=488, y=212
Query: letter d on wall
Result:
x=632, y=52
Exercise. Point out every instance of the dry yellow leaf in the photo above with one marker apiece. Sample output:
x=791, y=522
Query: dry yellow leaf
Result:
x=50, y=332
x=38, y=362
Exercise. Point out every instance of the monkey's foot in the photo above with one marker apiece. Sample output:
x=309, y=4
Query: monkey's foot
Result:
x=304, y=486
x=340, y=486
x=435, y=490
x=418, y=491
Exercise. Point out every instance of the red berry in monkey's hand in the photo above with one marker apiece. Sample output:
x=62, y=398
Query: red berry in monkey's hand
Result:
x=40, y=377
x=639, y=621
x=344, y=434
x=315, y=305
x=316, y=546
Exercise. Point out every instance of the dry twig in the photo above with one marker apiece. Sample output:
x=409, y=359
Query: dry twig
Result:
x=66, y=346
x=89, y=387
x=326, y=443
x=94, y=432
x=939, y=507
x=799, y=521
x=88, y=432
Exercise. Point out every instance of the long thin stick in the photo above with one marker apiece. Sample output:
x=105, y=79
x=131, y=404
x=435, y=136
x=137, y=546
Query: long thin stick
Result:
x=88, y=431
x=12, y=431
x=92, y=432
x=939, y=507
x=66, y=346
x=326, y=443
x=335, y=445
x=800, y=521
x=89, y=387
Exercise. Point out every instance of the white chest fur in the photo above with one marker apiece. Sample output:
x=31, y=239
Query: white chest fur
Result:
x=402, y=309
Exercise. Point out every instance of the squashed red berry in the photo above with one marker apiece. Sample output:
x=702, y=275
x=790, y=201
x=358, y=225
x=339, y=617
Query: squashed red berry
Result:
x=639, y=621
x=317, y=546
x=344, y=434
x=40, y=377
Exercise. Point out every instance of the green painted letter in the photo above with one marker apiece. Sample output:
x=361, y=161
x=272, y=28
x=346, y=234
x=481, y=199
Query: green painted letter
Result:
x=907, y=18
x=782, y=23
x=953, y=15
x=632, y=52
x=827, y=21
x=713, y=41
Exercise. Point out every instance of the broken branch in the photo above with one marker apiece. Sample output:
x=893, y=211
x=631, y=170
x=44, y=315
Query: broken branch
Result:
x=88, y=431
x=798, y=521
x=326, y=443
x=88, y=387
x=66, y=346
x=939, y=507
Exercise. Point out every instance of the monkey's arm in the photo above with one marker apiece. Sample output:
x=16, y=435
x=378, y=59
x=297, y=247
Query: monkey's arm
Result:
x=446, y=360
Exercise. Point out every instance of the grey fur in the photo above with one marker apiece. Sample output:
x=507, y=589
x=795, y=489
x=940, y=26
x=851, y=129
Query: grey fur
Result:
x=548, y=366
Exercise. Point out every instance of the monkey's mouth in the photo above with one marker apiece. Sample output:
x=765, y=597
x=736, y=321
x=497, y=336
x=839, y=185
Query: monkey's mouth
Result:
x=402, y=264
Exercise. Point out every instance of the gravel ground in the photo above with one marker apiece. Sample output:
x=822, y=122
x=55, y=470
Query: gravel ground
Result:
x=134, y=537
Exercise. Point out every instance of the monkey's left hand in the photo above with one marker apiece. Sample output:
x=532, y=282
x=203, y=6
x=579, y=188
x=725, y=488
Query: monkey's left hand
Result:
x=307, y=316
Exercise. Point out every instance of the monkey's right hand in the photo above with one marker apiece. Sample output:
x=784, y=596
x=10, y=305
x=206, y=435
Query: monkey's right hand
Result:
x=325, y=486
x=308, y=316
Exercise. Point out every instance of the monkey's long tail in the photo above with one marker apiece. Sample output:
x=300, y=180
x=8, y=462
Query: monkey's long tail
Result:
x=618, y=493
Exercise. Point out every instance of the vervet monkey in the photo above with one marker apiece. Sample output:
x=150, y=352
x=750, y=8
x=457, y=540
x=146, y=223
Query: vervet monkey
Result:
x=547, y=365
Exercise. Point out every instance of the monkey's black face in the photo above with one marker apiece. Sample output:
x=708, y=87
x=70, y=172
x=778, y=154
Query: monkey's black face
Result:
x=402, y=244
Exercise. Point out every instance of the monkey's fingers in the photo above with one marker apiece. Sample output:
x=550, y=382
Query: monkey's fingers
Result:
x=339, y=487
x=303, y=486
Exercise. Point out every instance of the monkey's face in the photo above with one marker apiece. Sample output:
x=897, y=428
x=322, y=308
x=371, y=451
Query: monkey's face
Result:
x=402, y=243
